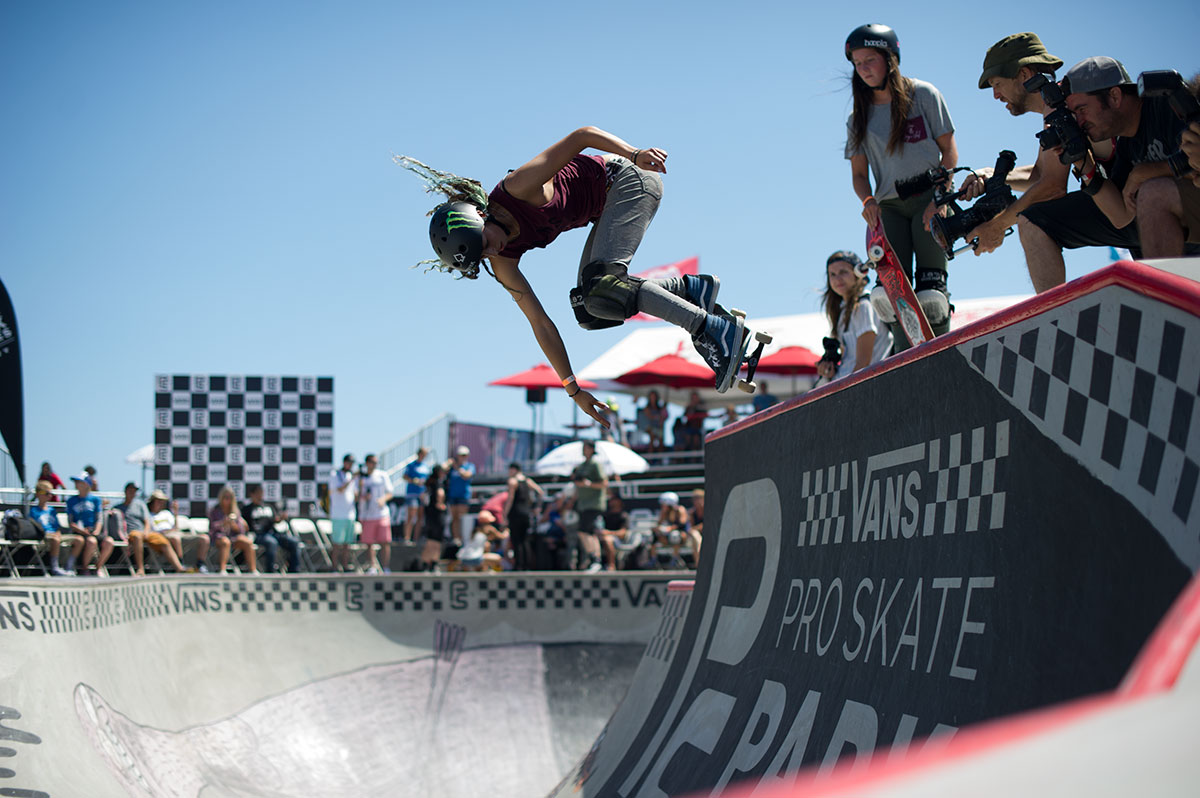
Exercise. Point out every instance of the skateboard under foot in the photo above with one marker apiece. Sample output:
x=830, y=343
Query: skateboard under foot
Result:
x=750, y=362
x=899, y=290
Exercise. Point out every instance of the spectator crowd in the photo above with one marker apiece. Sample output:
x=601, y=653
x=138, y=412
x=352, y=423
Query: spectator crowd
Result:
x=1119, y=167
x=582, y=526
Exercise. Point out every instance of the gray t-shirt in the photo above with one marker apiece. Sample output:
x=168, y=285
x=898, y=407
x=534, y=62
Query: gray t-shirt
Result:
x=927, y=119
x=137, y=514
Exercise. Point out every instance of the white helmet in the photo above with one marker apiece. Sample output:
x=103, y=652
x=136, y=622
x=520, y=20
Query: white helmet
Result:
x=669, y=499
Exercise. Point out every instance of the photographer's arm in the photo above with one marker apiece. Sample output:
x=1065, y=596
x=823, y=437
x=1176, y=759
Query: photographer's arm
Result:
x=860, y=177
x=1104, y=193
x=1050, y=183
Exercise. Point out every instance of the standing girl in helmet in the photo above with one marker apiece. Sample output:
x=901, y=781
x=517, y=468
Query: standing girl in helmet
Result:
x=899, y=128
x=560, y=189
x=863, y=336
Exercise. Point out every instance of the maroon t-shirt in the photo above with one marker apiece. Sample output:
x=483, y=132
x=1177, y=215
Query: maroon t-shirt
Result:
x=580, y=189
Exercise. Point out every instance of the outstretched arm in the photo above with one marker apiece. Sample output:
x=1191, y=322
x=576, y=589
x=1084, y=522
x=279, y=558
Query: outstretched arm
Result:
x=548, y=338
x=529, y=182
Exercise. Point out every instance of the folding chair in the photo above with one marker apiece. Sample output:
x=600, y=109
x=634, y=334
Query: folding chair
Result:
x=312, y=549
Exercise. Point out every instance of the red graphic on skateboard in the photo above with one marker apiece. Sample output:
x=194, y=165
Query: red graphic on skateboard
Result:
x=899, y=290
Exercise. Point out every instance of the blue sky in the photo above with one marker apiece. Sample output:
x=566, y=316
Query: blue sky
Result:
x=208, y=187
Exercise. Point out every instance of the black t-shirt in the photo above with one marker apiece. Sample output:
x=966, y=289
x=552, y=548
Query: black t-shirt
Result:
x=260, y=517
x=616, y=520
x=1156, y=139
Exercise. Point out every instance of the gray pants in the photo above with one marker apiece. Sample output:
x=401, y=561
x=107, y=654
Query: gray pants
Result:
x=633, y=198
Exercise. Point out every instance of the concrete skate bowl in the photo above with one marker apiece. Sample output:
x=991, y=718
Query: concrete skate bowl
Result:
x=973, y=560
x=262, y=687
x=992, y=524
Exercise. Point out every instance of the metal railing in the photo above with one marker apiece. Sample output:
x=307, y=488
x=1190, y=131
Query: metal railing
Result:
x=433, y=435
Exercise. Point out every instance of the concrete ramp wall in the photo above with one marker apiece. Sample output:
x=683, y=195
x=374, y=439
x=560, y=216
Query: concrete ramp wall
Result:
x=263, y=687
x=989, y=524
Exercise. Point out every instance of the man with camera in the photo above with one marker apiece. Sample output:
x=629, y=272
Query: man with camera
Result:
x=1048, y=217
x=1145, y=182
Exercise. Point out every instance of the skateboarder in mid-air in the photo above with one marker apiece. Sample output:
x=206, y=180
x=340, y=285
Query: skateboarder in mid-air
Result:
x=618, y=193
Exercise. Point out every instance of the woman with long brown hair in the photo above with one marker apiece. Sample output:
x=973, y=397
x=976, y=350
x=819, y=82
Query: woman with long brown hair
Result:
x=863, y=337
x=899, y=128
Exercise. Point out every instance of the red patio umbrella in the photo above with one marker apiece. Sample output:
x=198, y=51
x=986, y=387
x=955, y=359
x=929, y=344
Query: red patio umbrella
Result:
x=538, y=379
x=672, y=371
x=790, y=360
x=540, y=376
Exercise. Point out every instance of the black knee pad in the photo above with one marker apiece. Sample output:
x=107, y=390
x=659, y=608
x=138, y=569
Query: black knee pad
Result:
x=605, y=296
x=586, y=320
x=934, y=298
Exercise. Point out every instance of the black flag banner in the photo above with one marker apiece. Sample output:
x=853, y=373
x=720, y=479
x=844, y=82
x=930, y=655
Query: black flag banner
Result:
x=12, y=407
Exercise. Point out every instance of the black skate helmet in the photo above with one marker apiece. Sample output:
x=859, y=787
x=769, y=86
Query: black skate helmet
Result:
x=849, y=257
x=881, y=37
x=456, y=232
x=843, y=254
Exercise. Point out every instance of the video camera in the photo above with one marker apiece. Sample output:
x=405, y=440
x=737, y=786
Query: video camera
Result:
x=1062, y=128
x=997, y=195
x=833, y=350
x=912, y=186
x=1169, y=83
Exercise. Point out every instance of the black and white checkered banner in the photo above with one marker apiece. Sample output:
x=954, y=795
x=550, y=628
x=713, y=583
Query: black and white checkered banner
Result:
x=1113, y=378
x=98, y=605
x=237, y=430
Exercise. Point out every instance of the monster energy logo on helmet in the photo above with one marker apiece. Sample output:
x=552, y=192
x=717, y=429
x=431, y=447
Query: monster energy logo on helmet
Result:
x=456, y=233
x=457, y=219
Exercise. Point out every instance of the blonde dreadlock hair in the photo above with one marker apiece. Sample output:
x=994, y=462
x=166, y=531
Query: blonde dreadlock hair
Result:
x=452, y=186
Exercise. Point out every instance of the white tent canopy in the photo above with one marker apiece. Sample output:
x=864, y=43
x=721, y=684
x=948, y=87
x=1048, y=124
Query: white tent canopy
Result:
x=806, y=329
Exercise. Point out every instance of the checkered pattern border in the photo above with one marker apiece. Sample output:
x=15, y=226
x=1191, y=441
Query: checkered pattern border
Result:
x=541, y=593
x=965, y=497
x=80, y=610
x=822, y=490
x=292, y=595
x=402, y=595
x=100, y=606
x=662, y=645
x=1112, y=378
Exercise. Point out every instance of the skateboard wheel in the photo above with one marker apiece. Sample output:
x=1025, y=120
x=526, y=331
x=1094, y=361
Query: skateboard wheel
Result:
x=875, y=253
x=748, y=387
x=763, y=338
x=739, y=313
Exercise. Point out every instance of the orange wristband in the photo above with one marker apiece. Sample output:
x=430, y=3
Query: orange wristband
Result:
x=868, y=199
x=570, y=379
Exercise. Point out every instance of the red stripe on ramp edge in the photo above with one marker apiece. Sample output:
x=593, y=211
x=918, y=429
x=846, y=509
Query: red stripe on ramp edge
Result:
x=1163, y=657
